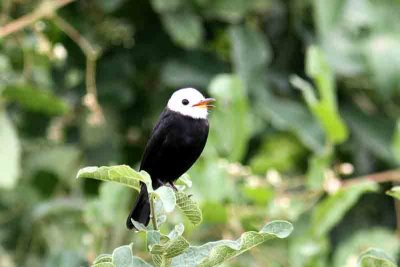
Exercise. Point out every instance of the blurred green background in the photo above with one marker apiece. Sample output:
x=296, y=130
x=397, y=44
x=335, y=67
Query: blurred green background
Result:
x=308, y=102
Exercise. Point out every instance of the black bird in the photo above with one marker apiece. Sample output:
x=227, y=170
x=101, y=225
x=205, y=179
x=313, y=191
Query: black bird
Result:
x=175, y=144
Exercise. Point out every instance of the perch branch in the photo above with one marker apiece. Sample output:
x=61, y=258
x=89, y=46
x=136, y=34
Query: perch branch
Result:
x=46, y=9
x=380, y=177
x=153, y=213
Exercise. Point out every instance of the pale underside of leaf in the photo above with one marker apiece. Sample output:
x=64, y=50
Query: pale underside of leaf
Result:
x=189, y=207
x=122, y=174
x=375, y=258
x=215, y=253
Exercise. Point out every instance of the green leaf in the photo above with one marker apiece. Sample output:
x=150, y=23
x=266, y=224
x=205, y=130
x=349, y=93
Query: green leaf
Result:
x=47, y=158
x=288, y=115
x=178, y=231
x=396, y=141
x=122, y=257
x=185, y=28
x=232, y=113
x=281, y=151
x=10, y=153
x=332, y=209
x=317, y=167
x=215, y=253
x=214, y=212
x=171, y=248
x=189, y=207
x=167, y=197
x=179, y=73
x=103, y=258
x=383, y=60
x=162, y=6
x=122, y=174
x=251, y=53
x=374, y=132
x=325, y=109
x=261, y=195
x=371, y=237
x=184, y=181
x=35, y=99
x=163, y=252
x=375, y=258
x=394, y=192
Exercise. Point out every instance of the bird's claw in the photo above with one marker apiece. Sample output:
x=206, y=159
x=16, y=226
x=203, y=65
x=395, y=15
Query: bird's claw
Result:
x=173, y=187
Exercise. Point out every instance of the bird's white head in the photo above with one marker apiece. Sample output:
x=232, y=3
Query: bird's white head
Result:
x=190, y=102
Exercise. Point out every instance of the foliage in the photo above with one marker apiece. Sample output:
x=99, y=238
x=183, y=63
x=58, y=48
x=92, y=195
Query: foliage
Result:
x=83, y=82
x=173, y=249
x=375, y=257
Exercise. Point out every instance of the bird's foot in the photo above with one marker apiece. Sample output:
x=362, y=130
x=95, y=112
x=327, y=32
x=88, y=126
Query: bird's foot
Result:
x=173, y=186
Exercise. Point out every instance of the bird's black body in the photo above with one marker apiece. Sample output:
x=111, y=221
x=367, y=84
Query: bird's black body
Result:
x=175, y=144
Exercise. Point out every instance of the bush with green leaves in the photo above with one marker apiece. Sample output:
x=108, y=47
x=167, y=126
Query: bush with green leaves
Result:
x=173, y=249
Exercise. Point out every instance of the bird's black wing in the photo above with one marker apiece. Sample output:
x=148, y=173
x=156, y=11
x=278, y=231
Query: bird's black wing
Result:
x=174, y=145
x=157, y=137
x=155, y=148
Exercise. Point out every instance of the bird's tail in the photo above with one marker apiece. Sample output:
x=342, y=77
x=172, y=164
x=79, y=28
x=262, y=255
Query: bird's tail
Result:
x=141, y=210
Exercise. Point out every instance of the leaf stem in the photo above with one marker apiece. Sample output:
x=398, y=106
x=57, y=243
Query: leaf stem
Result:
x=153, y=212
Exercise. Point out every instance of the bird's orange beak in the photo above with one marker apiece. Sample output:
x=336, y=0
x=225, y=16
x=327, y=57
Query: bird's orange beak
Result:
x=205, y=103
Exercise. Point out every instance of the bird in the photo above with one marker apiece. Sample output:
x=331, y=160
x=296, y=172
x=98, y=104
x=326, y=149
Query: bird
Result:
x=176, y=142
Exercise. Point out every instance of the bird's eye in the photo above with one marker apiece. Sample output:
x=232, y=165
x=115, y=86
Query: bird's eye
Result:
x=185, y=102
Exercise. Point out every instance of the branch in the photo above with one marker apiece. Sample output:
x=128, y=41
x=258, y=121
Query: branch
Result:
x=380, y=177
x=153, y=213
x=90, y=99
x=47, y=8
x=89, y=50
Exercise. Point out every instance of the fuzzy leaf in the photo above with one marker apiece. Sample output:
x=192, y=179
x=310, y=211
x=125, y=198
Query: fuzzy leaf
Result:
x=215, y=253
x=233, y=113
x=370, y=237
x=189, y=207
x=122, y=174
x=167, y=197
x=164, y=252
x=375, y=258
x=104, y=264
x=122, y=256
x=103, y=258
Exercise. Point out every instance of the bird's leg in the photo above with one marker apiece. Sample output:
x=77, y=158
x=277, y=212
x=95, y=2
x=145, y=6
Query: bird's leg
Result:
x=157, y=183
x=173, y=186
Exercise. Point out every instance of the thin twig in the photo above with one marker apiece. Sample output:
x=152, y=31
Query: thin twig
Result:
x=153, y=213
x=91, y=53
x=380, y=177
x=75, y=36
x=47, y=8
